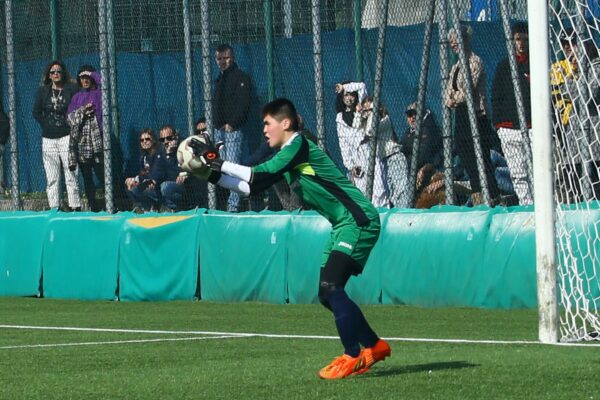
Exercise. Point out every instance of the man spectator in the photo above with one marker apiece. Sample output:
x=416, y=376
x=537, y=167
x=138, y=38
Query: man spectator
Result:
x=231, y=101
x=430, y=145
x=505, y=113
x=166, y=176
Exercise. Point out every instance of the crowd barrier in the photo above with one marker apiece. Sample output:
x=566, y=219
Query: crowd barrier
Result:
x=447, y=256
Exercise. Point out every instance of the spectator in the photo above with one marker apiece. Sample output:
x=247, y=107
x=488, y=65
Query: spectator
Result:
x=4, y=135
x=349, y=96
x=587, y=139
x=232, y=101
x=390, y=179
x=455, y=99
x=50, y=111
x=144, y=196
x=430, y=144
x=506, y=117
x=84, y=115
x=561, y=75
x=176, y=186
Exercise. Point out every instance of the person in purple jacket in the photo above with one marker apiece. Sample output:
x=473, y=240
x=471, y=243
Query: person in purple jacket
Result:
x=84, y=116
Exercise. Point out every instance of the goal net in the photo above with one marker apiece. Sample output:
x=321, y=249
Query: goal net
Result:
x=575, y=88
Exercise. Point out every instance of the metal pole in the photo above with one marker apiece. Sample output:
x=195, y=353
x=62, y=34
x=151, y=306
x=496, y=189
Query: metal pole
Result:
x=114, y=110
x=414, y=162
x=383, y=15
x=504, y=14
x=318, y=66
x=189, y=83
x=207, y=80
x=54, y=29
x=446, y=117
x=287, y=18
x=12, y=109
x=358, y=52
x=545, y=242
x=104, y=70
x=464, y=65
x=268, y=15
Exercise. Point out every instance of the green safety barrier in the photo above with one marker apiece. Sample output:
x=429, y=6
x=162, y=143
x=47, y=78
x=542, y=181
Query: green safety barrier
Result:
x=446, y=256
x=21, y=237
x=243, y=256
x=81, y=256
x=159, y=257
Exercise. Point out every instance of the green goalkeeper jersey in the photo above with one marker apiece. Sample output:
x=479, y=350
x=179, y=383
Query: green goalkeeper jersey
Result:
x=315, y=178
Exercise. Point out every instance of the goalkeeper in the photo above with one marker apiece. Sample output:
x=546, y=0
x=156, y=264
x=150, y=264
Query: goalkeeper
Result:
x=355, y=224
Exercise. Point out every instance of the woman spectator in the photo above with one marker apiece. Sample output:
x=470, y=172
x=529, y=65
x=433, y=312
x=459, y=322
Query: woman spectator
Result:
x=144, y=196
x=349, y=96
x=455, y=98
x=85, y=118
x=390, y=184
x=50, y=110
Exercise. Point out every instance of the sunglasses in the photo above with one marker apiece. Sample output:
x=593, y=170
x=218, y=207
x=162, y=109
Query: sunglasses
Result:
x=145, y=139
x=411, y=113
x=55, y=71
x=168, y=139
x=201, y=132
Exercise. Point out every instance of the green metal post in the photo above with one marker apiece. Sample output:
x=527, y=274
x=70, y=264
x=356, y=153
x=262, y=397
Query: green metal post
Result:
x=357, y=13
x=54, y=28
x=268, y=15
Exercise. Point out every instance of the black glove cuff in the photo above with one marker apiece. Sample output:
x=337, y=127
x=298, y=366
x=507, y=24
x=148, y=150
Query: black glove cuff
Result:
x=216, y=164
x=214, y=177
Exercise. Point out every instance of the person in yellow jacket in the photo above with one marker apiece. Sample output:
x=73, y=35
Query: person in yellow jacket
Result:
x=561, y=73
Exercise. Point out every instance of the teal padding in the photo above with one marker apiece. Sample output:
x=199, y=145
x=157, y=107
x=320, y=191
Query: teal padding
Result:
x=507, y=278
x=159, y=257
x=309, y=233
x=21, y=238
x=431, y=258
x=81, y=254
x=243, y=256
x=582, y=262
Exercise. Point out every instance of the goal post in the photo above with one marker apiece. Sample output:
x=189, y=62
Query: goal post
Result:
x=543, y=172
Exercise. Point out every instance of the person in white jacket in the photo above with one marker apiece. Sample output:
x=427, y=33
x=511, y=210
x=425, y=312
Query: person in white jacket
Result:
x=349, y=96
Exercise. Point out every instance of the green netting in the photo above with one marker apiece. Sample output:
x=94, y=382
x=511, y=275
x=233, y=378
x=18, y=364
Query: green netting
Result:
x=81, y=256
x=21, y=243
x=159, y=257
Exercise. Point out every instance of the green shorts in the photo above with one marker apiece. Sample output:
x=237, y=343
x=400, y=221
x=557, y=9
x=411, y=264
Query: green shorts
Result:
x=354, y=241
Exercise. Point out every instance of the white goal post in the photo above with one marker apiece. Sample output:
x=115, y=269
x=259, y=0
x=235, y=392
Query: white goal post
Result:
x=565, y=92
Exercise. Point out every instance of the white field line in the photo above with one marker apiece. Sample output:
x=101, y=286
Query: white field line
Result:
x=25, y=346
x=282, y=336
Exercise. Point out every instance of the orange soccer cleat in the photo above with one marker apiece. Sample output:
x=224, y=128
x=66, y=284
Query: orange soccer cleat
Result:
x=374, y=354
x=342, y=367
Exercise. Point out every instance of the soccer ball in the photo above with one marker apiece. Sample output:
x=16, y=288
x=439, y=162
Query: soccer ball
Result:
x=188, y=161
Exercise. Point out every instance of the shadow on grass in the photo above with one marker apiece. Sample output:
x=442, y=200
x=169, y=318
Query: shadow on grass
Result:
x=411, y=369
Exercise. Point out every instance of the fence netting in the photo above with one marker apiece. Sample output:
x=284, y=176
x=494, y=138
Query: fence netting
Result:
x=163, y=64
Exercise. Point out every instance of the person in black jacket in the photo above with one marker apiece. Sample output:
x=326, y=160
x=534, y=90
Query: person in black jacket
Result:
x=506, y=117
x=231, y=102
x=50, y=111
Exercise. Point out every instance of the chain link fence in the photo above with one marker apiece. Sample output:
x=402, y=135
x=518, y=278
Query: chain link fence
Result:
x=157, y=62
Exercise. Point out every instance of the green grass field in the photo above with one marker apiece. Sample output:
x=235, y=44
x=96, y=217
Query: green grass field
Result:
x=181, y=363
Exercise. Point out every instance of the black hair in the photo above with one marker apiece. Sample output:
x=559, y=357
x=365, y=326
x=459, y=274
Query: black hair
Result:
x=200, y=120
x=222, y=48
x=280, y=109
x=65, y=77
x=339, y=100
x=519, y=27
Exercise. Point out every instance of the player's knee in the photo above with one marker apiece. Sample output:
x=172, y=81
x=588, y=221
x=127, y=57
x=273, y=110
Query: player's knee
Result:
x=325, y=291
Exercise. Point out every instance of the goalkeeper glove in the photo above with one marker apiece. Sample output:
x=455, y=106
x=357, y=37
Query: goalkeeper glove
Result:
x=208, y=153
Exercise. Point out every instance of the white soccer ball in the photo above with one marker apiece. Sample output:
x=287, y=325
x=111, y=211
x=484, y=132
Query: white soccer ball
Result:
x=188, y=161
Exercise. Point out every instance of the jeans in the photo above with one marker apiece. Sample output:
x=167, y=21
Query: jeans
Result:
x=55, y=152
x=145, y=199
x=172, y=194
x=231, y=152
